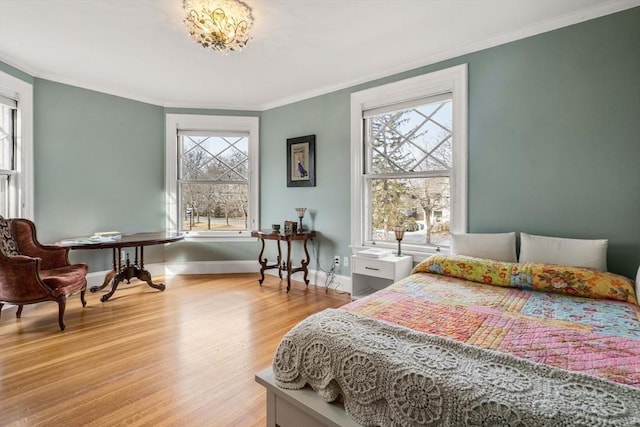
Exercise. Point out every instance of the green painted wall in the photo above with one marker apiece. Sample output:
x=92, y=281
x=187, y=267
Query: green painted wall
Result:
x=99, y=165
x=328, y=202
x=554, y=143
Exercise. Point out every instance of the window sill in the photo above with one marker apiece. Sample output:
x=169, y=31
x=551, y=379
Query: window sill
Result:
x=418, y=255
x=208, y=238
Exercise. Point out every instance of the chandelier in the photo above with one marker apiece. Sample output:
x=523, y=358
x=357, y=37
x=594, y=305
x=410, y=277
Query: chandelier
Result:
x=221, y=25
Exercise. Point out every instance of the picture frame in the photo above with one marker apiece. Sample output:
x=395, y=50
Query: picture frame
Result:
x=290, y=227
x=301, y=161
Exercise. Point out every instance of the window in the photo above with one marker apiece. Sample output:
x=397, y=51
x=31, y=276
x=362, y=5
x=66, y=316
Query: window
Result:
x=408, y=148
x=8, y=120
x=16, y=147
x=212, y=175
x=213, y=180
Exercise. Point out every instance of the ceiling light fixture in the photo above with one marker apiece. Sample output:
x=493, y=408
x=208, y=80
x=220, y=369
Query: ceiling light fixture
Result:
x=221, y=25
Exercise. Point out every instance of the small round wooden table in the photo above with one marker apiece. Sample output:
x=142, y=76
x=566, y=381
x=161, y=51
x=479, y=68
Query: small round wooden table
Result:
x=280, y=264
x=126, y=270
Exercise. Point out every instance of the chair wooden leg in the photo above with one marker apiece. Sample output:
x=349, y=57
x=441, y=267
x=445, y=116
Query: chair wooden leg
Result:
x=62, y=302
x=19, y=312
x=82, y=292
x=1, y=309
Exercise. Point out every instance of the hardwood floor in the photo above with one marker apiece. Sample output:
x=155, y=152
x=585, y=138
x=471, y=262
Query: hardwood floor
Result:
x=186, y=356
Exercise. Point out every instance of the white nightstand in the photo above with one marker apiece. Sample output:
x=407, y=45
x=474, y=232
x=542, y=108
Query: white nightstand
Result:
x=372, y=274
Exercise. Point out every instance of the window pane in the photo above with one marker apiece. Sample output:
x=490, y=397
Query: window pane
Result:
x=7, y=161
x=4, y=196
x=214, y=158
x=421, y=204
x=417, y=139
x=6, y=137
x=210, y=184
x=214, y=207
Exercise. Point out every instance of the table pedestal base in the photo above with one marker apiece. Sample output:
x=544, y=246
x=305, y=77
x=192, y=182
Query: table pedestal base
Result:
x=126, y=272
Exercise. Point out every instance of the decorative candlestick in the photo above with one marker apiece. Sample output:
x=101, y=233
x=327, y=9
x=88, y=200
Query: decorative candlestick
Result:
x=301, y=212
x=399, y=231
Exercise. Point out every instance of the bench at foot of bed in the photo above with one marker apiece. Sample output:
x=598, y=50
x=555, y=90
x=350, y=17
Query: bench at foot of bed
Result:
x=294, y=408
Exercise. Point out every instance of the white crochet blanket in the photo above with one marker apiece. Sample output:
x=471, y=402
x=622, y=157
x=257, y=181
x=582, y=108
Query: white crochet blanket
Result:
x=393, y=376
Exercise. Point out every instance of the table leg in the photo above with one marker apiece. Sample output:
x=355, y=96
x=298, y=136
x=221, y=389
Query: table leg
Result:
x=280, y=265
x=305, y=264
x=109, y=276
x=107, y=279
x=263, y=263
x=143, y=274
x=114, y=285
x=288, y=266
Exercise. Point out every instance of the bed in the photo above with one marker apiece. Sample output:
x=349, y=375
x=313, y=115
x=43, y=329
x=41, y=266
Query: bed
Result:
x=467, y=341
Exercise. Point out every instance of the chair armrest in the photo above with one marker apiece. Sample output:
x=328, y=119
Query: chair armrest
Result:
x=52, y=256
x=20, y=281
x=24, y=232
x=20, y=259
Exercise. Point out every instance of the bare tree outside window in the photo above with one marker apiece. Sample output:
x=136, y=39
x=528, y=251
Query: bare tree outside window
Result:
x=409, y=165
x=213, y=181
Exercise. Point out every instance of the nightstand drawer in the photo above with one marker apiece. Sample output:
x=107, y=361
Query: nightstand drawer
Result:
x=373, y=267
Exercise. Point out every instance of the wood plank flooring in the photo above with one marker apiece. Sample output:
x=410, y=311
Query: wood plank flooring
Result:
x=186, y=356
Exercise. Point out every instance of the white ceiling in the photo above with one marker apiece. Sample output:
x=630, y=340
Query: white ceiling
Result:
x=140, y=49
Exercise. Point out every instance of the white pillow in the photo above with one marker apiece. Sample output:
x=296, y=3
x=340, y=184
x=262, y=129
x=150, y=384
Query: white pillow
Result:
x=497, y=246
x=638, y=284
x=571, y=252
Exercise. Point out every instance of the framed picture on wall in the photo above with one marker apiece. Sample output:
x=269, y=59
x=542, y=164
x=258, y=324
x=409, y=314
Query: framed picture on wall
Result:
x=301, y=161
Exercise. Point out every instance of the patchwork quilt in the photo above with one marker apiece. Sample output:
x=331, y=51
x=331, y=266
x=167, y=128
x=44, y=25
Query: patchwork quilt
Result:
x=464, y=341
x=600, y=337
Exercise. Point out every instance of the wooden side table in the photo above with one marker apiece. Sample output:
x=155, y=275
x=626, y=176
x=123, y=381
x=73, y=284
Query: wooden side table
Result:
x=281, y=264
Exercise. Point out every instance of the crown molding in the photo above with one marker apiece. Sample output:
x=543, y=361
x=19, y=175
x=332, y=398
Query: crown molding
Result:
x=542, y=27
x=596, y=11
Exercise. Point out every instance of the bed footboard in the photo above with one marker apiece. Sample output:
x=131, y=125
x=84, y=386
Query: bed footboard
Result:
x=294, y=408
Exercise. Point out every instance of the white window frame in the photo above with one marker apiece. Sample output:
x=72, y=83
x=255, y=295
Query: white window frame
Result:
x=249, y=124
x=452, y=80
x=22, y=183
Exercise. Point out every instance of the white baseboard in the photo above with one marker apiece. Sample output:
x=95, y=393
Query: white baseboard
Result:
x=316, y=278
x=319, y=278
x=208, y=267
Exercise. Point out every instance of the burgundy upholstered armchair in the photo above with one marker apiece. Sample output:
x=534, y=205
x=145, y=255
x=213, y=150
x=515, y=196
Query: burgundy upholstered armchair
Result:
x=31, y=272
